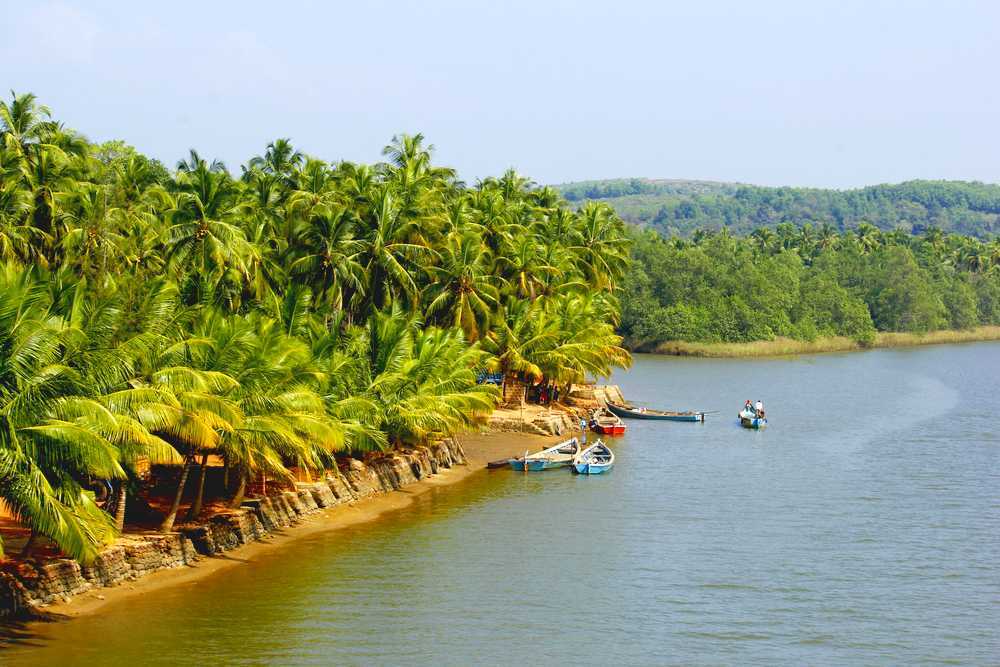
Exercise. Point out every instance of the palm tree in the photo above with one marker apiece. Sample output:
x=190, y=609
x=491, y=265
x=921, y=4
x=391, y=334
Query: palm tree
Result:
x=280, y=160
x=520, y=333
x=524, y=267
x=763, y=239
x=45, y=174
x=602, y=247
x=869, y=237
x=326, y=255
x=201, y=239
x=974, y=257
x=423, y=379
x=314, y=192
x=92, y=238
x=387, y=255
x=192, y=414
x=15, y=232
x=23, y=122
x=62, y=427
x=408, y=151
x=828, y=237
x=561, y=339
x=994, y=251
x=493, y=220
x=463, y=293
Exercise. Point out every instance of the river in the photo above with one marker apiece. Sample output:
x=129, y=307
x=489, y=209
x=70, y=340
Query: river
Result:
x=862, y=527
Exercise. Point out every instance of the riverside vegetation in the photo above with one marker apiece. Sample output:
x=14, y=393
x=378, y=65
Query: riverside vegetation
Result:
x=808, y=289
x=273, y=318
x=740, y=270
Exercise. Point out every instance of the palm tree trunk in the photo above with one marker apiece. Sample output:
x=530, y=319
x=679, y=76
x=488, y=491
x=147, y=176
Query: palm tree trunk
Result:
x=200, y=495
x=240, y=490
x=120, y=509
x=168, y=521
x=26, y=549
x=225, y=477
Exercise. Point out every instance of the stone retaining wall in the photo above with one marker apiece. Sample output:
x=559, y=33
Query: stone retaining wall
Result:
x=30, y=584
x=590, y=396
x=535, y=419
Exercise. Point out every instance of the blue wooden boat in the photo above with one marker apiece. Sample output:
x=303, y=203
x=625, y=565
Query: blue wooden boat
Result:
x=749, y=419
x=629, y=412
x=594, y=460
x=556, y=456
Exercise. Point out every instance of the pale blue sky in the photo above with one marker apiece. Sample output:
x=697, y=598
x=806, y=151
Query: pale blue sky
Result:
x=794, y=92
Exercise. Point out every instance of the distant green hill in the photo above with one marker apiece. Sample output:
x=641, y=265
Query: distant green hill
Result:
x=679, y=207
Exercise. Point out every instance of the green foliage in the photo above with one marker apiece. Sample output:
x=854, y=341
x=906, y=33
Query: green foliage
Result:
x=803, y=285
x=275, y=319
x=682, y=207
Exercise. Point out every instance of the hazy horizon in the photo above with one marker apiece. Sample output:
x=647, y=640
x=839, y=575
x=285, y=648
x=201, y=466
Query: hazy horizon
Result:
x=836, y=95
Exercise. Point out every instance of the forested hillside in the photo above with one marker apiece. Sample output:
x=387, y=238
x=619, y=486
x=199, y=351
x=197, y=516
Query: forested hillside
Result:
x=681, y=207
x=804, y=284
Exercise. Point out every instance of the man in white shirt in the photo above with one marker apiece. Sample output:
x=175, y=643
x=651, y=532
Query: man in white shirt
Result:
x=759, y=406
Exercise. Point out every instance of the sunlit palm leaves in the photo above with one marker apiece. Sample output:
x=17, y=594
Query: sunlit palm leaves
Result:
x=274, y=320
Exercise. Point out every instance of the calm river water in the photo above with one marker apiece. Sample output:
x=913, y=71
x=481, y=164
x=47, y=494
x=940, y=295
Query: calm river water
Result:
x=863, y=527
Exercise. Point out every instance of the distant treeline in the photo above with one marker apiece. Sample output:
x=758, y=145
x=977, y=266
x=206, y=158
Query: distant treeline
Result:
x=806, y=283
x=681, y=207
x=624, y=187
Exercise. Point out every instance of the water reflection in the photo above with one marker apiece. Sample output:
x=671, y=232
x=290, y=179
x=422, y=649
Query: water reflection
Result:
x=861, y=527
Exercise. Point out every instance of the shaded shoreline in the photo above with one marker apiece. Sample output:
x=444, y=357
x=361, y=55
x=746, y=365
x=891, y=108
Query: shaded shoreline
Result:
x=787, y=346
x=479, y=449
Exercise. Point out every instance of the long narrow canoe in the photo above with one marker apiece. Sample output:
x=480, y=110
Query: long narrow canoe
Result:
x=594, y=460
x=629, y=412
x=557, y=456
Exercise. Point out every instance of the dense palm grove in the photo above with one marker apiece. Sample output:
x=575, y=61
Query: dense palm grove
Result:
x=274, y=318
x=807, y=282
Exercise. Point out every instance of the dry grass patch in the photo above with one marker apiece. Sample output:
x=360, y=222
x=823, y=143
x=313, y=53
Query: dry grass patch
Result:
x=787, y=346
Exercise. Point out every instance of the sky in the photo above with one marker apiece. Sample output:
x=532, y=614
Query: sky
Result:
x=827, y=94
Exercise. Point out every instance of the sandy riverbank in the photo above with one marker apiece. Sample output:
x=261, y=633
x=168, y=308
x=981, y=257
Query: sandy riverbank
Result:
x=479, y=450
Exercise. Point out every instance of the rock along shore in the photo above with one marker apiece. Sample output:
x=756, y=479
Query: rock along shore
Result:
x=26, y=586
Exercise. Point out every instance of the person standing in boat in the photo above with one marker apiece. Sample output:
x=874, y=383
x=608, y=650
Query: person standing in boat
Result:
x=748, y=406
x=759, y=407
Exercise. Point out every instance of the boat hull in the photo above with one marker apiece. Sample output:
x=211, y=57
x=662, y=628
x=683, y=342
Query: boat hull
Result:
x=592, y=468
x=610, y=430
x=521, y=465
x=557, y=456
x=697, y=417
x=536, y=465
x=756, y=423
x=635, y=414
x=594, y=460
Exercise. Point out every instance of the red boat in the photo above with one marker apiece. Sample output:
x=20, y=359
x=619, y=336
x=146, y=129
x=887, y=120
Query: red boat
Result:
x=606, y=423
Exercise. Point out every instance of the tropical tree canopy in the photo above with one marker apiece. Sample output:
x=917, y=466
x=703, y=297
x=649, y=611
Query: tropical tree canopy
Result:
x=804, y=283
x=273, y=319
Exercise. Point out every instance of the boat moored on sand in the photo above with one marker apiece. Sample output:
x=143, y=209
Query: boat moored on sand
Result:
x=594, y=460
x=557, y=456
